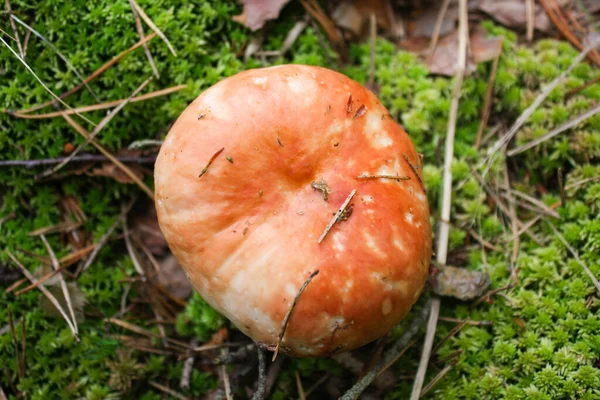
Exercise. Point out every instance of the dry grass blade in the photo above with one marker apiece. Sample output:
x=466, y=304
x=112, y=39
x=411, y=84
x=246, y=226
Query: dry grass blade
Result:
x=14, y=286
x=450, y=335
x=301, y=394
x=225, y=378
x=13, y=332
x=63, y=284
x=99, y=246
x=558, y=130
x=436, y=379
x=147, y=20
x=145, y=332
x=108, y=155
x=210, y=161
x=576, y=256
x=545, y=92
x=60, y=227
x=95, y=132
x=530, y=19
x=167, y=390
x=444, y=227
x=7, y=34
x=436, y=30
x=140, y=31
x=393, y=177
x=581, y=182
x=59, y=54
x=536, y=202
x=514, y=225
x=14, y=28
x=397, y=349
x=287, y=317
x=41, y=280
x=102, y=106
x=45, y=291
x=487, y=103
x=92, y=76
x=42, y=83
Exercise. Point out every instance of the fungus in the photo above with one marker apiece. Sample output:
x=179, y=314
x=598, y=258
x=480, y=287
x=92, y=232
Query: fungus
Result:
x=372, y=266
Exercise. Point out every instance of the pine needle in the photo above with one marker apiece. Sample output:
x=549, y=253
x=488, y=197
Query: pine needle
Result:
x=151, y=25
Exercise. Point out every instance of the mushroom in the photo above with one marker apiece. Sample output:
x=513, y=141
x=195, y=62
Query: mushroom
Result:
x=276, y=173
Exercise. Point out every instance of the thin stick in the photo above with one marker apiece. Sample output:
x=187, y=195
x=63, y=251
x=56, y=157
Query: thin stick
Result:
x=14, y=28
x=7, y=34
x=530, y=19
x=286, y=319
x=41, y=280
x=489, y=91
x=584, y=86
x=450, y=335
x=414, y=170
x=261, y=385
x=536, y=202
x=188, y=365
x=112, y=158
x=95, y=132
x=567, y=125
x=43, y=84
x=394, y=177
x=61, y=279
x=210, y=162
x=140, y=31
x=444, y=229
x=152, y=26
x=468, y=321
x=225, y=378
x=337, y=215
x=96, y=107
x=398, y=347
x=581, y=182
x=436, y=30
x=81, y=158
x=13, y=332
x=576, y=256
x=436, y=379
x=92, y=76
x=59, y=54
x=45, y=291
x=132, y=253
x=167, y=390
x=301, y=394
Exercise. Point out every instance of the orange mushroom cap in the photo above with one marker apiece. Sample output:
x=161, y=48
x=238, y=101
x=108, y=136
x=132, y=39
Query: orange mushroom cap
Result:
x=246, y=226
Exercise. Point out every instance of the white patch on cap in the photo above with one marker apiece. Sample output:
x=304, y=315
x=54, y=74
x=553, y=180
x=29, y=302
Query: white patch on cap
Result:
x=262, y=81
x=398, y=244
x=349, y=284
x=386, y=306
x=408, y=217
x=372, y=244
x=337, y=242
x=336, y=323
x=299, y=85
x=378, y=137
x=367, y=199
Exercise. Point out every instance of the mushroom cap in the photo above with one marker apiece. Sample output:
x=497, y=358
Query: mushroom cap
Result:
x=247, y=231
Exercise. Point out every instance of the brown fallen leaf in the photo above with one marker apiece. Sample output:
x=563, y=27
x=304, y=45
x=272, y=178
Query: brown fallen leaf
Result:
x=145, y=223
x=513, y=13
x=443, y=60
x=257, y=12
x=110, y=170
x=460, y=283
x=173, y=279
x=424, y=23
x=353, y=15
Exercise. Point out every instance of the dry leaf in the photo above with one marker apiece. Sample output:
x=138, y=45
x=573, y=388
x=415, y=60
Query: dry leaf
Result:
x=424, y=24
x=460, y=283
x=77, y=300
x=513, y=13
x=145, y=224
x=257, y=12
x=110, y=170
x=353, y=16
x=173, y=279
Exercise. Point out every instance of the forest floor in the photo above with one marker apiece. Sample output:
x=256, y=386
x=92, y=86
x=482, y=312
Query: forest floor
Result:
x=524, y=200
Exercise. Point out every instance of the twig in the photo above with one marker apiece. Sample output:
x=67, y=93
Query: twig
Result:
x=95, y=132
x=188, y=365
x=450, y=335
x=576, y=256
x=112, y=158
x=414, y=170
x=167, y=390
x=315, y=10
x=541, y=207
x=140, y=31
x=225, y=378
x=14, y=28
x=560, y=129
x=337, y=215
x=489, y=91
x=96, y=107
x=147, y=20
x=469, y=321
x=444, y=228
x=13, y=332
x=60, y=227
x=482, y=241
x=47, y=293
x=140, y=144
x=92, y=76
x=59, y=54
x=584, y=86
x=61, y=279
x=43, y=84
x=561, y=187
x=286, y=319
x=436, y=30
x=301, y=394
x=394, y=177
x=210, y=162
x=530, y=19
x=81, y=158
x=390, y=355
x=292, y=35
x=132, y=253
x=40, y=281
x=436, y=379
x=581, y=182
x=261, y=384
x=372, y=46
